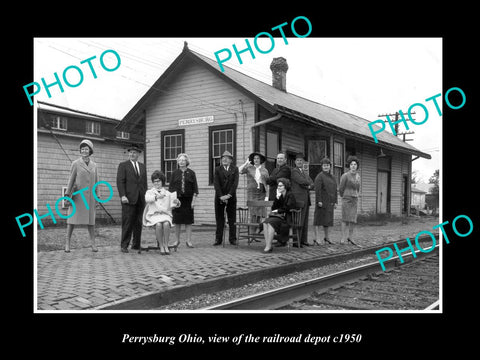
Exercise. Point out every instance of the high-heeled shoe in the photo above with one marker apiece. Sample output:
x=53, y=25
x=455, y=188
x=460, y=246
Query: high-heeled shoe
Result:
x=315, y=242
x=268, y=251
x=189, y=245
x=326, y=241
x=350, y=241
x=67, y=250
x=175, y=246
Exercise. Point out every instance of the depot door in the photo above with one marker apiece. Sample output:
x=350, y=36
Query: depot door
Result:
x=382, y=191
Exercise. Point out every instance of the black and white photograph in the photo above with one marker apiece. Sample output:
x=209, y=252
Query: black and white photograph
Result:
x=286, y=169
x=223, y=184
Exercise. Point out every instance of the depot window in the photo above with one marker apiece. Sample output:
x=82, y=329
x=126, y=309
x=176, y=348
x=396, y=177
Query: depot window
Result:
x=221, y=138
x=173, y=144
x=338, y=160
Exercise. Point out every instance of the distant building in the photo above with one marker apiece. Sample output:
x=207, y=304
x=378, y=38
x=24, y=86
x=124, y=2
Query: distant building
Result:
x=418, y=198
x=59, y=133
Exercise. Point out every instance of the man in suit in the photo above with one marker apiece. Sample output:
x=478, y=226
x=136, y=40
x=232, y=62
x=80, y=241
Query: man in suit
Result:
x=132, y=185
x=301, y=184
x=225, y=182
x=281, y=171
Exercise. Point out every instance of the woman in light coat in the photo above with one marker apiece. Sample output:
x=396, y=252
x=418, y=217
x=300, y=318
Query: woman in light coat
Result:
x=158, y=210
x=83, y=177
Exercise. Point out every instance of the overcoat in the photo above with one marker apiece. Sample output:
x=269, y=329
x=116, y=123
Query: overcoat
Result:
x=300, y=184
x=226, y=182
x=283, y=171
x=131, y=185
x=326, y=193
x=82, y=176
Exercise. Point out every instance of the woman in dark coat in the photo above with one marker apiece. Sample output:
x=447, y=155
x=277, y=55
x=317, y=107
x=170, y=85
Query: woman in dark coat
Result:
x=280, y=219
x=184, y=182
x=325, y=201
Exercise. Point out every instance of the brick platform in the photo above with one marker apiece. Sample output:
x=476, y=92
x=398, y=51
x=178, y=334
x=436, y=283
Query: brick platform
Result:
x=83, y=280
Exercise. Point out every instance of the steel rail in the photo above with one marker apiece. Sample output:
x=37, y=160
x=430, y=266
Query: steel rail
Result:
x=276, y=298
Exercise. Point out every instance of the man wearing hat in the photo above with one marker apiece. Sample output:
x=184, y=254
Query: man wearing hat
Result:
x=301, y=184
x=132, y=185
x=225, y=182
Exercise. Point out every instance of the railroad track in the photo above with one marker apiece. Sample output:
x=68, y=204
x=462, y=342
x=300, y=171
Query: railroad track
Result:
x=411, y=285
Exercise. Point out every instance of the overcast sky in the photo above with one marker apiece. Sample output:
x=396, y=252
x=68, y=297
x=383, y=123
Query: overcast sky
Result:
x=362, y=76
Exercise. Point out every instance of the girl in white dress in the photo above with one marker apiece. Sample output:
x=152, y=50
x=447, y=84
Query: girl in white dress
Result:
x=158, y=210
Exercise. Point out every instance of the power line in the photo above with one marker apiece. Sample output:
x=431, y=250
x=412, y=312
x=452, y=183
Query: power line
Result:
x=202, y=102
x=396, y=124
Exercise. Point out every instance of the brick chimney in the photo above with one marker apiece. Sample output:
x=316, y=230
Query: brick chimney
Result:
x=279, y=69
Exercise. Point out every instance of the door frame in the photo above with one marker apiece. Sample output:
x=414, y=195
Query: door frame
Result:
x=388, y=210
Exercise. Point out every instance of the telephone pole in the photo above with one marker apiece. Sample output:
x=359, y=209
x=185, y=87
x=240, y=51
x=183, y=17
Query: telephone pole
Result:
x=396, y=125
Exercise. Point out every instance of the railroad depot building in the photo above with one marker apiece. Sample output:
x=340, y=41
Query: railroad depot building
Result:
x=59, y=133
x=196, y=108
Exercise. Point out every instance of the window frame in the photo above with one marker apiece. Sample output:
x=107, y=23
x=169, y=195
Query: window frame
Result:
x=88, y=127
x=315, y=168
x=163, y=161
x=341, y=165
x=56, y=122
x=271, y=162
x=123, y=135
x=211, y=161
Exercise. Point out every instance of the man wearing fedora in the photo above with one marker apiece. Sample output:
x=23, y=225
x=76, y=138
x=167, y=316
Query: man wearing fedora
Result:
x=132, y=185
x=301, y=185
x=225, y=182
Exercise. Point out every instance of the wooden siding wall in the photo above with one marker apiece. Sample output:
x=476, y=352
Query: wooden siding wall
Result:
x=197, y=92
x=53, y=170
x=400, y=166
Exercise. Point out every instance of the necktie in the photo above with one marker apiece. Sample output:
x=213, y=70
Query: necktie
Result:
x=136, y=168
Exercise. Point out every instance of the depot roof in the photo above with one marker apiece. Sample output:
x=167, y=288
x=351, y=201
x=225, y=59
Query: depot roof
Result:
x=277, y=101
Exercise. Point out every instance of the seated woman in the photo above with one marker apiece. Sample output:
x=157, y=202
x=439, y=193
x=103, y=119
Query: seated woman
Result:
x=280, y=219
x=158, y=210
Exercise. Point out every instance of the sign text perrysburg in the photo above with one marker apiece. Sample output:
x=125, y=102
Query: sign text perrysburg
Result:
x=195, y=121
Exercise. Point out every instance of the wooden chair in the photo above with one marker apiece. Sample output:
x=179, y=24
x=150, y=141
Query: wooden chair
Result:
x=296, y=228
x=246, y=228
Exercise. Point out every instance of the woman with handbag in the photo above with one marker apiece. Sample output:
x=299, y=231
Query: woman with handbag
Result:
x=279, y=220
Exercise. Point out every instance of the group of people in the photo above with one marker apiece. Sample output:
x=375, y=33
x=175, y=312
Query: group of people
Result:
x=289, y=188
x=161, y=208
x=156, y=207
